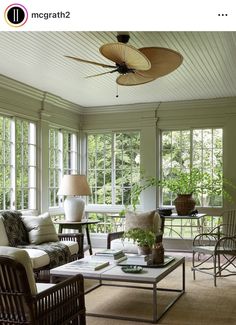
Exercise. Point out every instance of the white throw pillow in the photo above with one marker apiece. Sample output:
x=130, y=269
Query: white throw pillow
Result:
x=40, y=229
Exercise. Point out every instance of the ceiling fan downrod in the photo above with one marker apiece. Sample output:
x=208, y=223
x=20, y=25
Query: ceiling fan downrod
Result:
x=123, y=38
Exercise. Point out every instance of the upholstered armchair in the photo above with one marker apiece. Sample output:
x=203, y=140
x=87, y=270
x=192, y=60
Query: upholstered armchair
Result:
x=150, y=220
x=25, y=302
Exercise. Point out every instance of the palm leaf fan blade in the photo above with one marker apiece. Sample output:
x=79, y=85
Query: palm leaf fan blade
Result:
x=163, y=61
x=125, y=54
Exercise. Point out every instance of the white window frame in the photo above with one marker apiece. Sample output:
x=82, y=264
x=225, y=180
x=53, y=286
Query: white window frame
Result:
x=191, y=131
x=58, y=170
x=112, y=170
x=29, y=165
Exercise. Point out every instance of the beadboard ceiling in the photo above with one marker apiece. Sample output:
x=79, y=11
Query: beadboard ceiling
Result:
x=37, y=59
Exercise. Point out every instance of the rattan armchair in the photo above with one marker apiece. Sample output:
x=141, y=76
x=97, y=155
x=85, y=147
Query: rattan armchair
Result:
x=21, y=301
x=214, y=252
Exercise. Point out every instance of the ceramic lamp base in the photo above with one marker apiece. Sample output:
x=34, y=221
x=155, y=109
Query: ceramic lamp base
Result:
x=74, y=208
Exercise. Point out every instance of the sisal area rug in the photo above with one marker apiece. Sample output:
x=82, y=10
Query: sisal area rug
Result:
x=201, y=304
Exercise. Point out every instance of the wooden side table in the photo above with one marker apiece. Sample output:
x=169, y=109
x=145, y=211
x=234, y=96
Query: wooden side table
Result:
x=78, y=225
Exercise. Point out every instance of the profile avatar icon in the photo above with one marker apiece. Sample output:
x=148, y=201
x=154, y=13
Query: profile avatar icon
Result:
x=16, y=15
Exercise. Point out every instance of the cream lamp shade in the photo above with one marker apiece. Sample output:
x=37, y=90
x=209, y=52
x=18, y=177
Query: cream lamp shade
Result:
x=73, y=186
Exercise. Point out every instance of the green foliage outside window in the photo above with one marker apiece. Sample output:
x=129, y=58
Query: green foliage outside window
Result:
x=17, y=164
x=199, y=150
x=113, y=166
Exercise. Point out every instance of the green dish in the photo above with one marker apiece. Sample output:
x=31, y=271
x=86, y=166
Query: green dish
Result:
x=132, y=269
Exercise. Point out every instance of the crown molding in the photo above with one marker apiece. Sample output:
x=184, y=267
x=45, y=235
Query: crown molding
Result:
x=19, y=87
x=139, y=107
x=227, y=104
x=214, y=103
x=38, y=95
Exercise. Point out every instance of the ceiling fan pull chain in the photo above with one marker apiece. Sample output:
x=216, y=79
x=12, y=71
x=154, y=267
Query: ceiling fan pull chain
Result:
x=117, y=90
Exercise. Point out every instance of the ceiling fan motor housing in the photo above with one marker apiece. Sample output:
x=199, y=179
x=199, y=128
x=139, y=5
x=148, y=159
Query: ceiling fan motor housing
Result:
x=123, y=69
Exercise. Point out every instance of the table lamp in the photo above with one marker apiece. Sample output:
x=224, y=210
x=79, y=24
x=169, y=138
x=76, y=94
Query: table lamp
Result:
x=72, y=186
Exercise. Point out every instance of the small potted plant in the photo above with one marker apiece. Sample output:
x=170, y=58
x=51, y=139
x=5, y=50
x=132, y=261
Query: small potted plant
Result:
x=145, y=239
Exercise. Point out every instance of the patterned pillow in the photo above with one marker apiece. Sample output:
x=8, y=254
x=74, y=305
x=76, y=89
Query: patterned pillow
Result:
x=40, y=229
x=15, y=229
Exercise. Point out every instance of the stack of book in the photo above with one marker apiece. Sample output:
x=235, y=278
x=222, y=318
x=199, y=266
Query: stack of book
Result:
x=111, y=255
x=135, y=259
x=87, y=265
x=145, y=260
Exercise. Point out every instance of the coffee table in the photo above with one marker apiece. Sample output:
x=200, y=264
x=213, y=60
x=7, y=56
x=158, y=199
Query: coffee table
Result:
x=113, y=273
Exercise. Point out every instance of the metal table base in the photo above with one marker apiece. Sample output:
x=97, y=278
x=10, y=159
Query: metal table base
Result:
x=155, y=315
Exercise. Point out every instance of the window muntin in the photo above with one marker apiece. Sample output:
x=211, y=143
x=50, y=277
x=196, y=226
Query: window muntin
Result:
x=55, y=165
x=17, y=164
x=62, y=160
x=6, y=163
x=113, y=166
x=197, y=148
x=25, y=165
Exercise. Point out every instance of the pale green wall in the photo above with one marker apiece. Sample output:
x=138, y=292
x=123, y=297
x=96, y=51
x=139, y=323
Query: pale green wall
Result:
x=150, y=119
x=153, y=118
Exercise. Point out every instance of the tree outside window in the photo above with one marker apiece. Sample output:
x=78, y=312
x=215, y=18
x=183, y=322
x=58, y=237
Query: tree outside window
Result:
x=197, y=148
x=62, y=160
x=113, y=166
x=17, y=164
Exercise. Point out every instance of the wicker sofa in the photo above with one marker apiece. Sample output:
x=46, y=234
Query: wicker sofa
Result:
x=38, y=237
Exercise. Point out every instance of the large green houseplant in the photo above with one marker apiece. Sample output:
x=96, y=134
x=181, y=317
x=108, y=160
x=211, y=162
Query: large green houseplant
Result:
x=184, y=184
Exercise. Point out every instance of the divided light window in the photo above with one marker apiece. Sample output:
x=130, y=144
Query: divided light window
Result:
x=17, y=164
x=197, y=148
x=113, y=166
x=62, y=160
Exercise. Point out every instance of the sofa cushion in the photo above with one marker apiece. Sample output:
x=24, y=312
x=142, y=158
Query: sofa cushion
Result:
x=22, y=257
x=15, y=229
x=39, y=258
x=44, y=286
x=72, y=245
x=40, y=229
x=3, y=236
x=58, y=252
x=147, y=220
